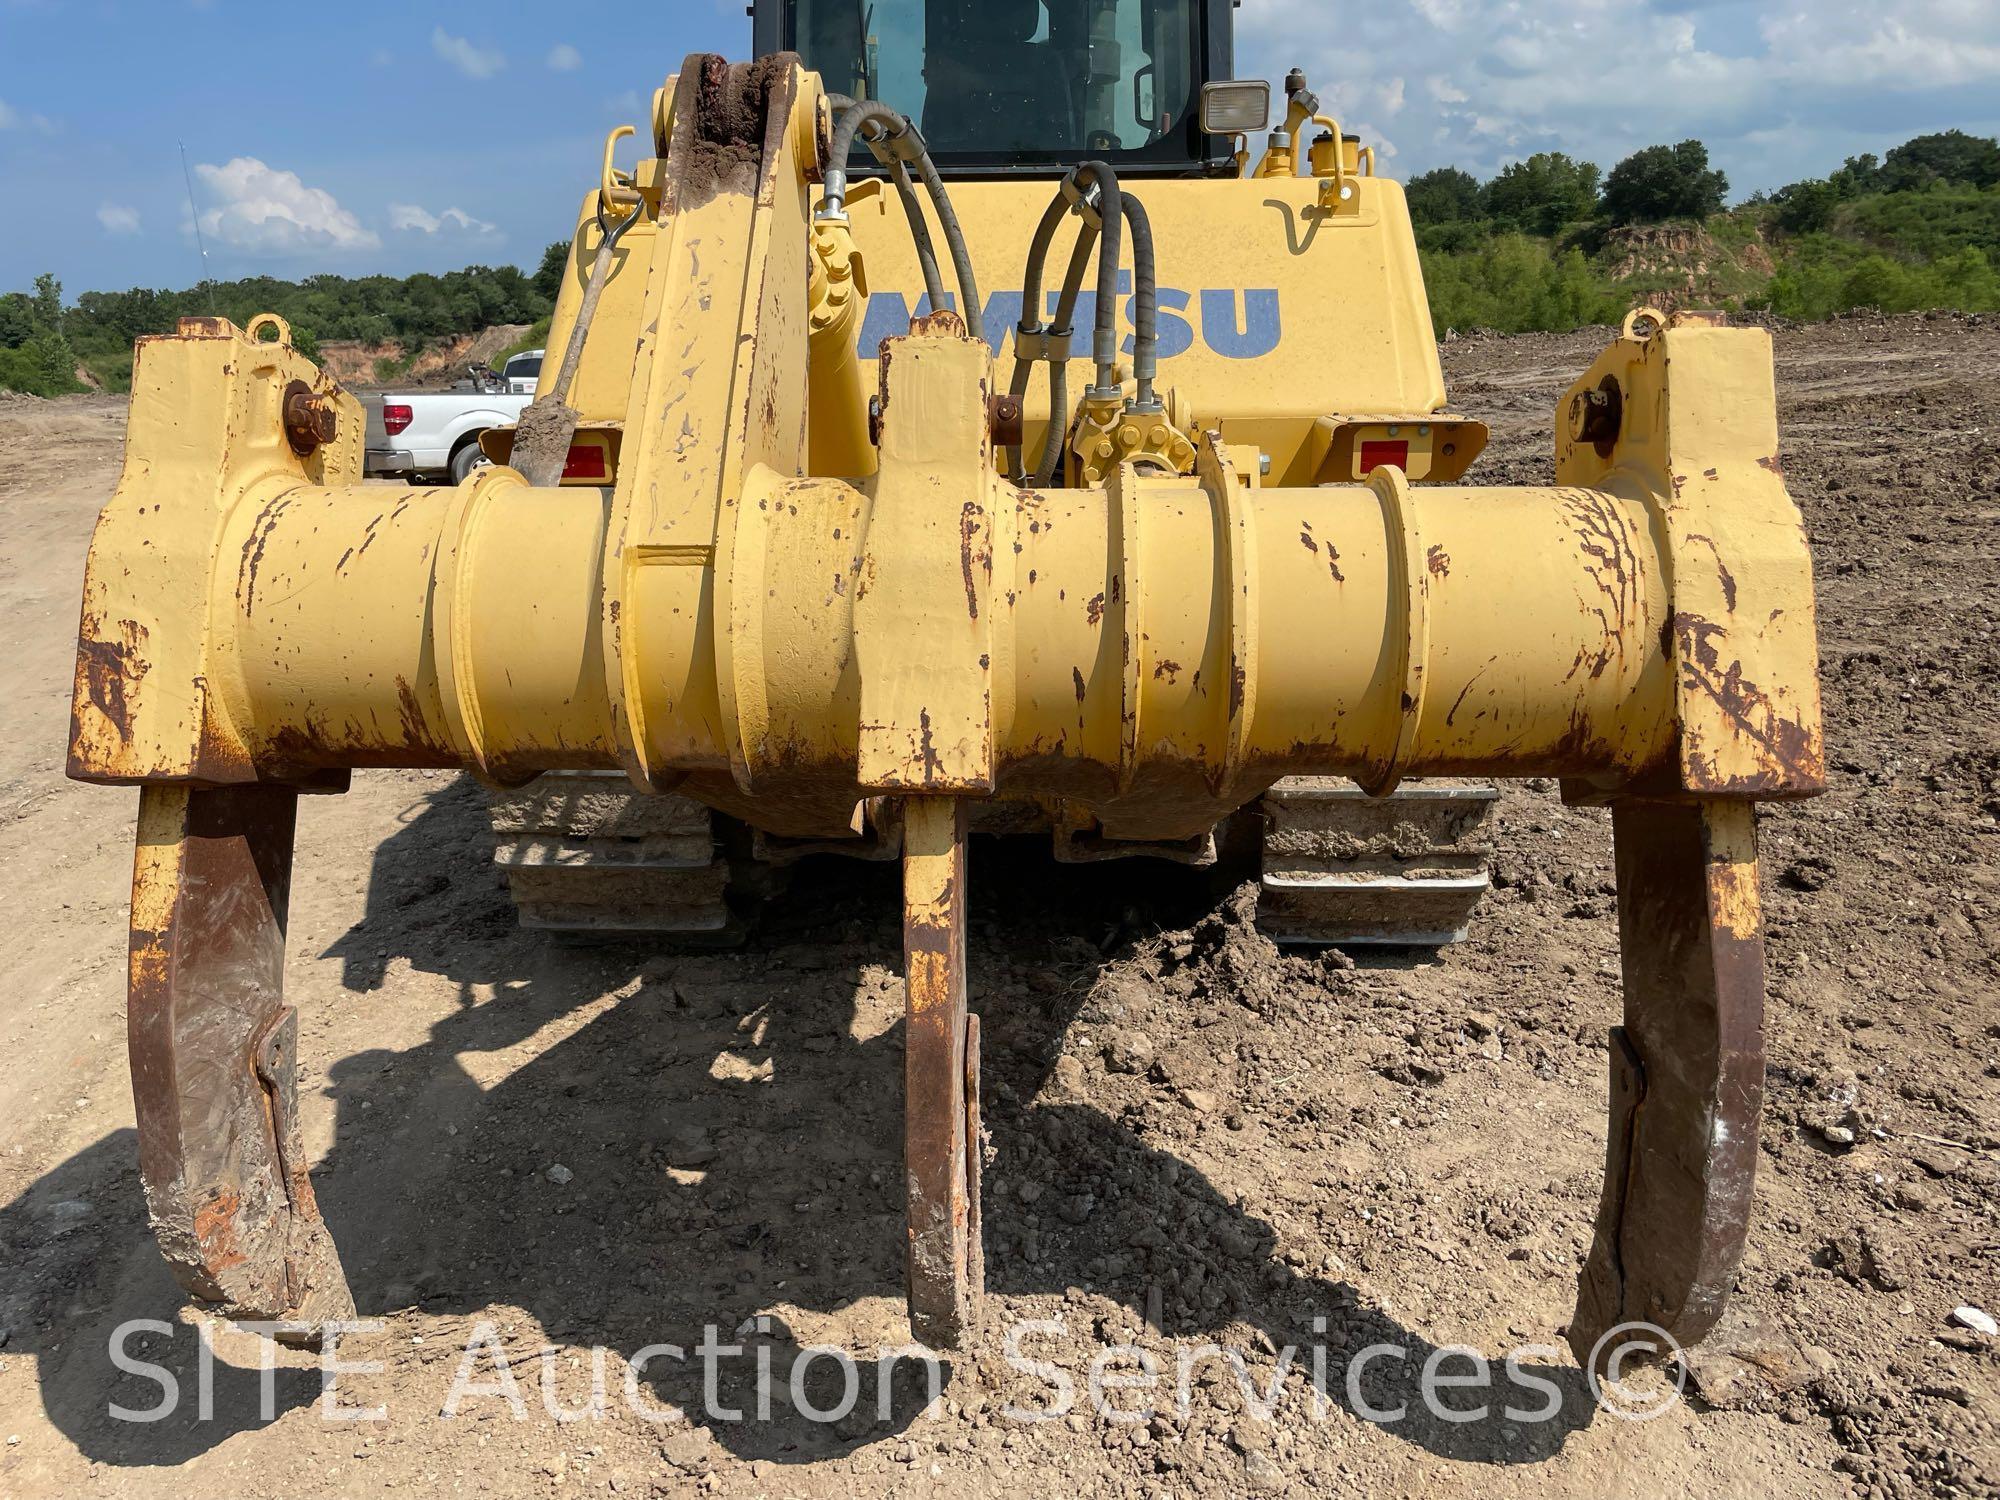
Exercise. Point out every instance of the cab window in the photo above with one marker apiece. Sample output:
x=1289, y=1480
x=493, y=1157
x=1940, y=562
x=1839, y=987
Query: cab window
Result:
x=1017, y=80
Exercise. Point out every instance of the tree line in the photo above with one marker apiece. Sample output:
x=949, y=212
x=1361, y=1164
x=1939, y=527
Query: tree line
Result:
x=1551, y=191
x=1527, y=249
x=1537, y=246
x=1947, y=159
x=43, y=341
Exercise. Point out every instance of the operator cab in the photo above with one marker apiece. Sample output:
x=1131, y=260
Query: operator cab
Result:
x=1023, y=87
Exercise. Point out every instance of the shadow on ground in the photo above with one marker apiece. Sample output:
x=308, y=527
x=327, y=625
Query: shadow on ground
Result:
x=729, y=1128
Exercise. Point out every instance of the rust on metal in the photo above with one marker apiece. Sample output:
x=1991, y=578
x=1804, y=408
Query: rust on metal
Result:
x=975, y=1163
x=213, y=1057
x=940, y=1072
x=1687, y=1076
x=944, y=323
x=971, y=528
x=1004, y=412
x=1790, y=749
x=310, y=419
x=1595, y=417
x=108, y=667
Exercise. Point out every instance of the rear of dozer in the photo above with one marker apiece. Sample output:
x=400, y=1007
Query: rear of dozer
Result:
x=828, y=589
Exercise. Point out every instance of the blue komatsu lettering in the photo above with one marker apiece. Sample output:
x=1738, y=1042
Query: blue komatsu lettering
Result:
x=1258, y=333
x=1248, y=330
x=1176, y=334
x=889, y=315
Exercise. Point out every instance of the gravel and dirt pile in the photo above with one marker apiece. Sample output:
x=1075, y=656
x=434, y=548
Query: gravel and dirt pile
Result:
x=1196, y=1139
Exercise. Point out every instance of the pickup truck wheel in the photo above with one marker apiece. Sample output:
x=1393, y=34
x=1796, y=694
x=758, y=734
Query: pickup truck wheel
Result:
x=465, y=458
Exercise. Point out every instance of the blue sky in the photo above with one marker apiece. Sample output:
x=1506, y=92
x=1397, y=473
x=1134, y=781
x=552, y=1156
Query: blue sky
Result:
x=367, y=136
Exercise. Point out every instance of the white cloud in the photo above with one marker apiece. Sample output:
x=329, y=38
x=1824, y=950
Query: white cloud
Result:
x=471, y=60
x=265, y=210
x=1922, y=45
x=564, y=58
x=1350, y=97
x=1778, y=91
x=410, y=216
x=117, y=218
x=13, y=119
x=1446, y=15
x=1385, y=149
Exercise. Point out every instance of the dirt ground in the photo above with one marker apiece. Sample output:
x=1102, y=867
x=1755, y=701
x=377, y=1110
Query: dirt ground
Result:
x=1194, y=1140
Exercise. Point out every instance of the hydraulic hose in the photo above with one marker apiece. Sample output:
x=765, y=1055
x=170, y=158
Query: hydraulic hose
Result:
x=1145, y=311
x=920, y=231
x=1145, y=305
x=1110, y=214
x=1031, y=311
x=1038, y=255
x=894, y=142
x=844, y=130
x=969, y=306
x=1058, y=431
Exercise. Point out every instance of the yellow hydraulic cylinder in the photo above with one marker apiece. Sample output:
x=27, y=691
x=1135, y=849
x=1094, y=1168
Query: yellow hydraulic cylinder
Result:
x=837, y=438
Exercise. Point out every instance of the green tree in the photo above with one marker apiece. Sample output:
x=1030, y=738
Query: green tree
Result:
x=1858, y=175
x=1806, y=207
x=1445, y=196
x=1664, y=182
x=17, y=320
x=48, y=302
x=54, y=361
x=548, y=277
x=1947, y=156
x=1543, y=193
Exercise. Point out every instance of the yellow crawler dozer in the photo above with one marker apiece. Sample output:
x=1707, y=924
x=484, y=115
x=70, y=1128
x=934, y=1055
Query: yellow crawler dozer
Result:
x=963, y=415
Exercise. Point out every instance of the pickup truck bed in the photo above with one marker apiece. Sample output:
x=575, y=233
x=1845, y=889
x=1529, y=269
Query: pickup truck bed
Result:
x=437, y=433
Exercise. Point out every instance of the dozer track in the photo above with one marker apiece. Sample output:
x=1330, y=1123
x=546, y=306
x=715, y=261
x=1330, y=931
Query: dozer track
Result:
x=584, y=856
x=1340, y=866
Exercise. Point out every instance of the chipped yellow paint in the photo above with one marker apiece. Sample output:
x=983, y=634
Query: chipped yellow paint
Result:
x=205, y=442
x=784, y=643
x=1735, y=905
x=156, y=862
x=923, y=618
x=1699, y=436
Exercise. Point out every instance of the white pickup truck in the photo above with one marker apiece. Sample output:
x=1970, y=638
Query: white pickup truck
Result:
x=428, y=436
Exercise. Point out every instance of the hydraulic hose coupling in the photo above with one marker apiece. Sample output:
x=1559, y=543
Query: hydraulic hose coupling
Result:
x=1084, y=201
x=888, y=135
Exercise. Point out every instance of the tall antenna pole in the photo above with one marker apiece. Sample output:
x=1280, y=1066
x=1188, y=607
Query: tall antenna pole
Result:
x=200, y=244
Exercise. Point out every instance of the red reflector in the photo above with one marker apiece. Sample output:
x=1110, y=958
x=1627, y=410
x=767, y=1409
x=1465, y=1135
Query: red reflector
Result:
x=1375, y=455
x=585, y=461
x=395, y=419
